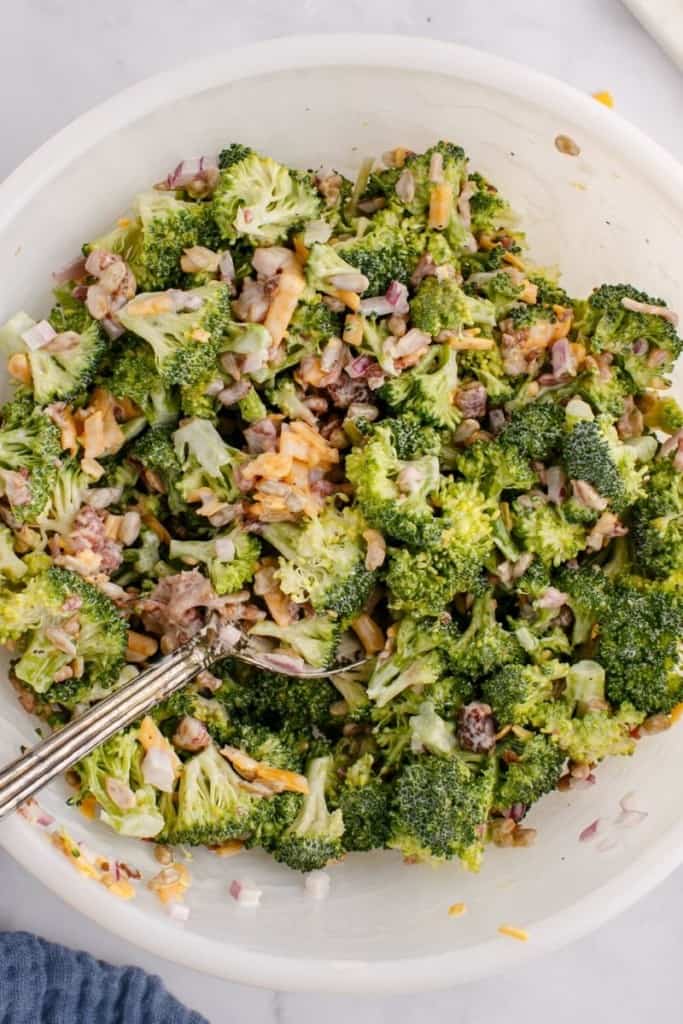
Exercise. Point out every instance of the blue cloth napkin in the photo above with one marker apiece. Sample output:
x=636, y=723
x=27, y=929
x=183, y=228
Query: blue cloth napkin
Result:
x=42, y=983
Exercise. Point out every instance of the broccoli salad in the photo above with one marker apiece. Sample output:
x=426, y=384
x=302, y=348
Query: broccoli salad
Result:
x=351, y=418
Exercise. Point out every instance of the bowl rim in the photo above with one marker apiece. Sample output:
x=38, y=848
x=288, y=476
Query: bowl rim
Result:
x=23, y=841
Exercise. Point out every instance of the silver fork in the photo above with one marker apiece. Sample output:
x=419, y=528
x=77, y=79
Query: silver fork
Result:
x=59, y=752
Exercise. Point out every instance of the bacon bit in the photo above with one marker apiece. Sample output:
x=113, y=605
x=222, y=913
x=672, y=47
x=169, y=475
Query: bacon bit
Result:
x=589, y=832
x=457, y=909
x=513, y=933
x=229, y=849
x=440, y=205
x=246, y=893
x=369, y=634
x=19, y=367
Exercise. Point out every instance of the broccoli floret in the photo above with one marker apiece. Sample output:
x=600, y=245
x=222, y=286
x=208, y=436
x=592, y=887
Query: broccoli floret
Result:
x=488, y=209
x=315, y=836
x=278, y=749
x=325, y=263
x=515, y=691
x=549, y=292
x=606, y=394
x=278, y=701
x=11, y=566
x=500, y=289
x=286, y=397
x=364, y=802
x=230, y=558
x=495, y=468
x=605, y=324
x=134, y=375
x=155, y=451
x=251, y=407
x=487, y=367
x=206, y=461
x=312, y=325
x=485, y=645
x=67, y=495
x=29, y=452
x=60, y=374
x=381, y=252
x=262, y=200
x=662, y=414
x=114, y=771
x=323, y=561
x=543, y=530
x=233, y=154
x=444, y=306
x=429, y=731
x=184, y=343
x=535, y=770
x=210, y=806
x=588, y=590
x=411, y=438
x=657, y=529
x=440, y=809
x=419, y=659
x=314, y=639
x=153, y=240
x=394, y=495
x=593, y=452
x=428, y=390
x=424, y=582
x=596, y=734
x=640, y=649
x=453, y=173
x=536, y=430
x=30, y=616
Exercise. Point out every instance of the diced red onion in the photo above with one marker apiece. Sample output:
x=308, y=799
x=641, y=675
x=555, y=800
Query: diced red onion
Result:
x=587, y=495
x=226, y=268
x=639, y=347
x=236, y=391
x=563, y=358
x=287, y=663
x=158, y=770
x=517, y=811
x=397, y=297
x=521, y=565
x=112, y=329
x=317, y=885
x=225, y=549
x=555, y=481
x=191, y=734
x=230, y=636
x=589, y=832
x=178, y=911
x=671, y=444
x=358, y=368
x=73, y=271
x=39, y=335
x=629, y=816
x=645, y=307
x=188, y=171
x=246, y=893
x=552, y=598
x=412, y=341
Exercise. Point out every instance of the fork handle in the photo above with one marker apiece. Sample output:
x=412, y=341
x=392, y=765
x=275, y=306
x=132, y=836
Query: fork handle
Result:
x=59, y=752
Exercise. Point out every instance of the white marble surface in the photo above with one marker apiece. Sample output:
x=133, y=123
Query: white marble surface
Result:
x=61, y=57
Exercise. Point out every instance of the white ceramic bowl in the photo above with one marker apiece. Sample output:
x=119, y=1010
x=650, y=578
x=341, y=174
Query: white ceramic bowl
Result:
x=613, y=213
